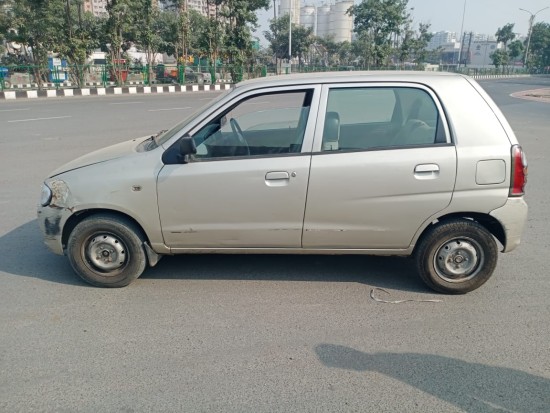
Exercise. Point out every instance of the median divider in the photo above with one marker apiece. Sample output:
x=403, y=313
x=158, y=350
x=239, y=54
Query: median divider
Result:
x=101, y=91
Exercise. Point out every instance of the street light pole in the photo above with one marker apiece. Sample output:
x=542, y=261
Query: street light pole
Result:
x=531, y=20
x=461, y=34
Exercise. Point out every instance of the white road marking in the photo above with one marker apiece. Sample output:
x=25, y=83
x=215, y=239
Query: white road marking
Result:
x=158, y=110
x=12, y=110
x=124, y=103
x=30, y=120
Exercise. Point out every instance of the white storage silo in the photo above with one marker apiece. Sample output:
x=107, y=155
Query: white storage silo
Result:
x=284, y=8
x=323, y=20
x=340, y=23
x=307, y=17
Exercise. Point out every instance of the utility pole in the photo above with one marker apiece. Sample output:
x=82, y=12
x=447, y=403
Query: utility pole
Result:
x=531, y=20
x=461, y=34
x=466, y=61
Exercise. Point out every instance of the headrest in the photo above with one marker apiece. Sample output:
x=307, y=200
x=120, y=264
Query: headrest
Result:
x=331, y=131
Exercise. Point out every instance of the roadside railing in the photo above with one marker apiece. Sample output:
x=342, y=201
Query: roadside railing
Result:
x=14, y=77
x=71, y=76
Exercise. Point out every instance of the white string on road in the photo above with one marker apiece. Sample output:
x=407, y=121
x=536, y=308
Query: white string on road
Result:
x=12, y=110
x=31, y=120
x=399, y=301
x=158, y=110
x=124, y=103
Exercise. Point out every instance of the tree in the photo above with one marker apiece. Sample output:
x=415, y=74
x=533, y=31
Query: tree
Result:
x=515, y=50
x=78, y=38
x=381, y=21
x=240, y=16
x=34, y=24
x=277, y=36
x=364, y=49
x=420, y=43
x=5, y=20
x=500, y=58
x=168, y=31
x=345, y=53
x=405, y=49
x=302, y=38
x=331, y=50
x=146, y=32
x=505, y=34
x=539, y=48
x=118, y=33
x=212, y=37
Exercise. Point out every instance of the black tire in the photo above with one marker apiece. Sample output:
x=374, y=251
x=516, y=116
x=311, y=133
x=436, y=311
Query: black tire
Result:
x=456, y=256
x=107, y=251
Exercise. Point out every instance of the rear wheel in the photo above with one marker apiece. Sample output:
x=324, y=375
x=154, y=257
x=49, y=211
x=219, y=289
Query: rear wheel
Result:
x=456, y=256
x=107, y=251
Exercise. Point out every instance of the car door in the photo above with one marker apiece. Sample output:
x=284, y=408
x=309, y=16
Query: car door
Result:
x=246, y=186
x=381, y=166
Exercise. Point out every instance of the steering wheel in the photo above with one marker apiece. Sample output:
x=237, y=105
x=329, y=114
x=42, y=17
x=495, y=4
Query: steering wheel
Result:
x=239, y=134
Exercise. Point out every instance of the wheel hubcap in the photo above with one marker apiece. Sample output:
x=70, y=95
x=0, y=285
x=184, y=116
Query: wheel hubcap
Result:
x=106, y=252
x=458, y=260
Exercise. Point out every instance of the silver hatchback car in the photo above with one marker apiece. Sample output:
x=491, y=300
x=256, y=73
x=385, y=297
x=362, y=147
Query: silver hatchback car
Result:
x=382, y=163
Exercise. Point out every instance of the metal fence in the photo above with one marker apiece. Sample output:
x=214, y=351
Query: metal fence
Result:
x=71, y=76
x=37, y=77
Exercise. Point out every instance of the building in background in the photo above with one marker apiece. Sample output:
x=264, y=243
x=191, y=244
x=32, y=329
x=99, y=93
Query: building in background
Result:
x=480, y=52
x=477, y=37
x=308, y=17
x=328, y=20
x=285, y=8
x=198, y=5
x=441, y=40
x=340, y=24
x=96, y=7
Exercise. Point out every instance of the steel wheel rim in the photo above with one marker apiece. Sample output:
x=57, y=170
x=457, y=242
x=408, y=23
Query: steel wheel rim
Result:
x=106, y=253
x=458, y=259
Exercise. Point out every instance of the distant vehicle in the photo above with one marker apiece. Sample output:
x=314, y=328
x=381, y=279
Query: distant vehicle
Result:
x=170, y=74
x=385, y=163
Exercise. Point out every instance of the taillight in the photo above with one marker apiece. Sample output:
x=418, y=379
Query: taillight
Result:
x=519, y=171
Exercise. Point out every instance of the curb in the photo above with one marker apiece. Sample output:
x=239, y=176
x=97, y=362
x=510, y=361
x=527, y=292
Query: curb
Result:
x=536, y=95
x=497, y=76
x=101, y=91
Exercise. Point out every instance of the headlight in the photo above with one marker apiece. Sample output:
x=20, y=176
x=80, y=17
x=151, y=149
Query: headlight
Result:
x=46, y=195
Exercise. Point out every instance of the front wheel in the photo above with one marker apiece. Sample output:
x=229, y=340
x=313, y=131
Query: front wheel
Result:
x=456, y=256
x=107, y=251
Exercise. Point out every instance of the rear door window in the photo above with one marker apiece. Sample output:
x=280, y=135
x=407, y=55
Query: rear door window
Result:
x=365, y=118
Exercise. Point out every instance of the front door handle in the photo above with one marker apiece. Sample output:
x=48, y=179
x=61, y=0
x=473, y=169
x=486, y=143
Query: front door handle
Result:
x=276, y=175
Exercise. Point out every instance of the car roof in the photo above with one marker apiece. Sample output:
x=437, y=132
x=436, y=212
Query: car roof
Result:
x=347, y=76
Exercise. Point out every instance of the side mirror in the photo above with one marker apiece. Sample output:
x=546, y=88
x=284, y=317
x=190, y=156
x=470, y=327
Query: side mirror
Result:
x=186, y=147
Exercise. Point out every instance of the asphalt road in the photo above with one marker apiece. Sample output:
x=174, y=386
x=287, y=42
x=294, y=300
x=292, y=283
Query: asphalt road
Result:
x=257, y=333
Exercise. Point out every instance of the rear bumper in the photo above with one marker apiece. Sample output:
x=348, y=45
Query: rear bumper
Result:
x=512, y=216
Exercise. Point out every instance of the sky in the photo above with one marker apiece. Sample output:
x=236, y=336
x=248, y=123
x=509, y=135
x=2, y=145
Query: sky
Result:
x=481, y=16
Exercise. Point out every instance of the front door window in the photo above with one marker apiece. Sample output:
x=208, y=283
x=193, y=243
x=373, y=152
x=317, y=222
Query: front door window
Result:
x=263, y=125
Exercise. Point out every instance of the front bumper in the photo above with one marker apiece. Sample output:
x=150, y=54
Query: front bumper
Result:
x=512, y=216
x=51, y=221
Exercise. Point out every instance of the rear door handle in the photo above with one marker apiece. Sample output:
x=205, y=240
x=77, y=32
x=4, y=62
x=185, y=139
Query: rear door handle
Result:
x=426, y=168
x=426, y=171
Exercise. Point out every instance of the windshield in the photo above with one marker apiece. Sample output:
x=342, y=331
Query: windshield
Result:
x=164, y=137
